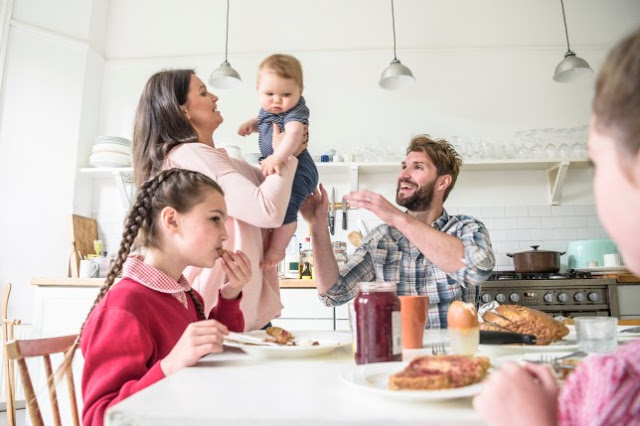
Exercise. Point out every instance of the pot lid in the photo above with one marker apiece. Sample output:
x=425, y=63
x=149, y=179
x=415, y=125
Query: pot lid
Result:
x=535, y=250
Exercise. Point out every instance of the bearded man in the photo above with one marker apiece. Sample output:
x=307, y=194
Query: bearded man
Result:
x=423, y=249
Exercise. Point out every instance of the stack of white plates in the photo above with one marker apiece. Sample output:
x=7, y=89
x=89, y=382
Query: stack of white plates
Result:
x=111, y=151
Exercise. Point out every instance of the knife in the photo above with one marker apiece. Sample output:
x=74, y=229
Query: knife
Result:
x=344, y=213
x=488, y=337
x=332, y=211
x=631, y=330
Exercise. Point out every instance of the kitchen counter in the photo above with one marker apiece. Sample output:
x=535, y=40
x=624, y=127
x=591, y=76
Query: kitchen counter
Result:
x=97, y=282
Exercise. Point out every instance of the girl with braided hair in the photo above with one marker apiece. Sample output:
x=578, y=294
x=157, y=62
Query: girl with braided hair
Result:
x=152, y=323
x=174, y=125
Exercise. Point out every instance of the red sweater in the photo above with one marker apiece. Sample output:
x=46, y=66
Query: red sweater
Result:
x=127, y=334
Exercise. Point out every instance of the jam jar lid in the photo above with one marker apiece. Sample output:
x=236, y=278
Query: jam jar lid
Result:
x=372, y=286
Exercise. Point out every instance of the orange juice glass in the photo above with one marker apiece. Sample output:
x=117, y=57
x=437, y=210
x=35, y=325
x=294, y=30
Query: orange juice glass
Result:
x=413, y=311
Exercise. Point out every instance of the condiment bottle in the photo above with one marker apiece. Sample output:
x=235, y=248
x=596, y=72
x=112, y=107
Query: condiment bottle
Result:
x=340, y=252
x=377, y=336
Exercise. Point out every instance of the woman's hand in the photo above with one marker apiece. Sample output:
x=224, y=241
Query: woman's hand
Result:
x=199, y=339
x=237, y=268
x=278, y=136
x=315, y=207
x=527, y=393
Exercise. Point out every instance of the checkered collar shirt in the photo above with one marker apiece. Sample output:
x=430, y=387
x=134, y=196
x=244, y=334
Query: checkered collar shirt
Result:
x=387, y=255
x=150, y=277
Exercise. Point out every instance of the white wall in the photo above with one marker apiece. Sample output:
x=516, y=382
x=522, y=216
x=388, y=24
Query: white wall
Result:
x=49, y=105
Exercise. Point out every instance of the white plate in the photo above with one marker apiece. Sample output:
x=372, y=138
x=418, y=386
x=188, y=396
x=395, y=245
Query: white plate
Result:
x=531, y=356
x=374, y=378
x=625, y=337
x=328, y=342
x=599, y=270
x=564, y=345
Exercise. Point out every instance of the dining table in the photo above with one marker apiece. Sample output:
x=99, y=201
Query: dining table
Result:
x=234, y=388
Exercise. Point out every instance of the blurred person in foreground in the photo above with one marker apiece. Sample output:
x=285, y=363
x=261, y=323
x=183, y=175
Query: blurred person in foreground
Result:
x=604, y=389
x=422, y=248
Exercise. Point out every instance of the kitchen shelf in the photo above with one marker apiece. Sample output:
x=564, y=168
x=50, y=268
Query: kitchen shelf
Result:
x=556, y=172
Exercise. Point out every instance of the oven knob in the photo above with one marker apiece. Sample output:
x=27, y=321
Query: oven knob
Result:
x=486, y=298
x=593, y=296
x=562, y=297
x=501, y=297
x=514, y=297
x=548, y=297
x=578, y=297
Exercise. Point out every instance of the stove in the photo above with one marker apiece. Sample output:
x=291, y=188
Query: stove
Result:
x=571, y=294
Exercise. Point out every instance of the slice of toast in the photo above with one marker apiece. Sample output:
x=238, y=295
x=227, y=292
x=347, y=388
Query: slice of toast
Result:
x=440, y=372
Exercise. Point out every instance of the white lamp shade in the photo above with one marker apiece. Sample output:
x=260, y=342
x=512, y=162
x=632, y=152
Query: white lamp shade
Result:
x=571, y=68
x=396, y=76
x=225, y=77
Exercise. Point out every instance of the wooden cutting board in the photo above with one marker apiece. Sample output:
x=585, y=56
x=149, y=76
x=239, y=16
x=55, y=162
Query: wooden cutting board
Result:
x=83, y=231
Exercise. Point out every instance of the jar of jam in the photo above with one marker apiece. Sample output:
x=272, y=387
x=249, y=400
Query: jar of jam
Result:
x=377, y=332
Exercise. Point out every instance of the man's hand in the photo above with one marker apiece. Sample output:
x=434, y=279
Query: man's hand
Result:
x=376, y=204
x=315, y=207
x=278, y=136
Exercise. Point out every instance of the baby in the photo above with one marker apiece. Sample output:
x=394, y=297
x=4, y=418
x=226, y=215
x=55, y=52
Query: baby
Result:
x=280, y=93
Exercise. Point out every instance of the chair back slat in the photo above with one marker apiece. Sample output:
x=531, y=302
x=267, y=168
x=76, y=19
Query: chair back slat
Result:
x=19, y=350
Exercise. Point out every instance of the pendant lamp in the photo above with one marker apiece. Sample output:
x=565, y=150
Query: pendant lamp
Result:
x=396, y=76
x=571, y=68
x=225, y=77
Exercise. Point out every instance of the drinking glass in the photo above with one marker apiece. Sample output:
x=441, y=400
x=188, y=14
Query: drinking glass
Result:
x=597, y=334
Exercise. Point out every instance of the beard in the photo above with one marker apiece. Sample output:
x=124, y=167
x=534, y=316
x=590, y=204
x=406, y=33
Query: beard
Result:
x=420, y=200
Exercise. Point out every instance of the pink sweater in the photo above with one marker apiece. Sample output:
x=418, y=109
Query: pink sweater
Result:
x=604, y=390
x=254, y=204
x=128, y=333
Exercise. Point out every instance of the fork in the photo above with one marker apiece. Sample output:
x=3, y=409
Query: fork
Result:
x=437, y=348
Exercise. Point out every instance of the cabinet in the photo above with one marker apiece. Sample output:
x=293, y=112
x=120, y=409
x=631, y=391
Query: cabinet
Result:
x=556, y=171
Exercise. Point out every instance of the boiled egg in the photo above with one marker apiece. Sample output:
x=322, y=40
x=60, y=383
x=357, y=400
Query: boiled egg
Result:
x=462, y=315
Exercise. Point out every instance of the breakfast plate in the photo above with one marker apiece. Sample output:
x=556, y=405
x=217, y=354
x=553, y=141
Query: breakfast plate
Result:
x=374, y=378
x=536, y=357
x=328, y=341
x=627, y=336
x=569, y=343
x=601, y=270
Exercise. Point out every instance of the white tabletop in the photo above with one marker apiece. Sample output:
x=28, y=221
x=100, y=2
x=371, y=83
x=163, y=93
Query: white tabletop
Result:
x=237, y=389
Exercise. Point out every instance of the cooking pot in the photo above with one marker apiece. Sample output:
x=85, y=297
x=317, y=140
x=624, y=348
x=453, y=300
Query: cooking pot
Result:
x=536, y=261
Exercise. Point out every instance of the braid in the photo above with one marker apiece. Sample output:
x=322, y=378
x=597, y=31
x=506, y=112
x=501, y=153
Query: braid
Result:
x=198, y=303
x=136, y=219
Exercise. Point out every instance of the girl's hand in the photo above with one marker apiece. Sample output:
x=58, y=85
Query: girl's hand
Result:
x=270, y=165
x=528, y=393
x=248, y=127
x=237, y=268
x=199, y=339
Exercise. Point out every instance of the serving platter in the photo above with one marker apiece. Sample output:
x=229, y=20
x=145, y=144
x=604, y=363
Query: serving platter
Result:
x=328, y=341
x=374, y=378
x=569, y=343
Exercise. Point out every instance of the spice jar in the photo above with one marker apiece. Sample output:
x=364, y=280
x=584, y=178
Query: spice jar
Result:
x=377, y=336
x=340, y=252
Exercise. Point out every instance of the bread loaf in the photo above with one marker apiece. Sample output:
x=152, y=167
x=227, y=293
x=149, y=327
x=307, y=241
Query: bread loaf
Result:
x=519, y=319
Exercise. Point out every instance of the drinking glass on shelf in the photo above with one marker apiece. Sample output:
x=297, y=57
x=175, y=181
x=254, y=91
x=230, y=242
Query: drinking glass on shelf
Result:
x=577, y=151
x=550, y=151
x=563, y=151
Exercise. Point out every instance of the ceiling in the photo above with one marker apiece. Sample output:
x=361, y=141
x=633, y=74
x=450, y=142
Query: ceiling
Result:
x=147, y=28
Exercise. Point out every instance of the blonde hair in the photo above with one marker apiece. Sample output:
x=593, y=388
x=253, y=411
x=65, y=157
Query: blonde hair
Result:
x=442, y=154
x=181, y=189
x=284, y=66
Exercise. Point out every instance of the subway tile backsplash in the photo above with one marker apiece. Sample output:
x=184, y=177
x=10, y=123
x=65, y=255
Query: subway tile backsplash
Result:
x=512, y=228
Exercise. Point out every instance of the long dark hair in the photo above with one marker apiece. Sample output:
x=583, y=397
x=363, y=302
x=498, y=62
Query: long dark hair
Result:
x=160, y=125
x=178, y=188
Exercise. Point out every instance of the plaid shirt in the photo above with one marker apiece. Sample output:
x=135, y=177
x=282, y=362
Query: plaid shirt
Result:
x=387, y=255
